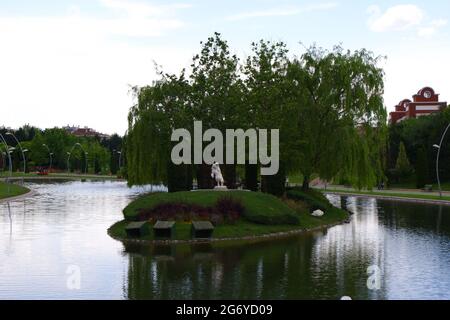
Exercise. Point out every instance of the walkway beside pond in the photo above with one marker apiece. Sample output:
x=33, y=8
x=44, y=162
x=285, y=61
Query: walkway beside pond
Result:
x=411, y=195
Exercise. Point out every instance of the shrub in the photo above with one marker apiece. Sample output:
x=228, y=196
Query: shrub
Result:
x=314, y=199
x=257, y=207
x=229, y=208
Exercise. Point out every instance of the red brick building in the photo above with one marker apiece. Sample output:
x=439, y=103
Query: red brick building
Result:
x=424, y=103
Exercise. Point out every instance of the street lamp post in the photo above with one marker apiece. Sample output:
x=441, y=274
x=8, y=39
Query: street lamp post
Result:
x=51, y=157
x=120, y=159
x=21, y=149
x=69, y=154
x=68, y=163
x=8, y=153
x=439, y=147
x=86, y=160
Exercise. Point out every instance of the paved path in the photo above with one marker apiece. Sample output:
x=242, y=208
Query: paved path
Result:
x=387, y=192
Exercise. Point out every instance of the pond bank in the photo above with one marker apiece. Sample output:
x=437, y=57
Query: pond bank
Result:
x=15, y=192
x=247, y=239
x=400, y=198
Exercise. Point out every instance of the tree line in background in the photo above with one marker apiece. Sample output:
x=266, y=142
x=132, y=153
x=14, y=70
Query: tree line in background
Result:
x=411, y=157
x=327, y=105
x=102, y=157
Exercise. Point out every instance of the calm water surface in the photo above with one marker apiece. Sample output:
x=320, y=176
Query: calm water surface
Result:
x=62, y=226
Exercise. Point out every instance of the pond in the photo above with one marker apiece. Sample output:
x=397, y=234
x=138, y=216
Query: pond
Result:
x=60, y=232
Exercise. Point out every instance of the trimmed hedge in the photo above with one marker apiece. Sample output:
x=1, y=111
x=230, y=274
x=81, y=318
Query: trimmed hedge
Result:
x=314, y=199
x=258, y=207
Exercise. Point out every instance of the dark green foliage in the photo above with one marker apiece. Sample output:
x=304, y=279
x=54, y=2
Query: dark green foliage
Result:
x=403, y=167
x=422, y=174
x=251, y=177
x=275, y=184
x=179, y=177
x=418, y=136
x=314, y=199
x=327, y=105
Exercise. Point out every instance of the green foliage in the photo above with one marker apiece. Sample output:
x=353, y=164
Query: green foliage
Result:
x=258, y=207
x=421, y=134
x=314, y=199
x=327, y=105
x=59, y=142
x=422, y=174
x=403, y=166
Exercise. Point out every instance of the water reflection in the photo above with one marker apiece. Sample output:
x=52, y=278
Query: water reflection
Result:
x=401, y=240
x=64, y=224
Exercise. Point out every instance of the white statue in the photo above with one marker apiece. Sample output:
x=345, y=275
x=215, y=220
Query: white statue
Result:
x=216, y=174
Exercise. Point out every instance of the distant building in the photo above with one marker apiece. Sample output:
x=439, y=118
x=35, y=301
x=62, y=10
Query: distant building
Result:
x=424, y=103
x=85, y=132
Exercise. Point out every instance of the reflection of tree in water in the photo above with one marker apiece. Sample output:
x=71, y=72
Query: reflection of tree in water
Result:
x=278, y=270
x=318, y=265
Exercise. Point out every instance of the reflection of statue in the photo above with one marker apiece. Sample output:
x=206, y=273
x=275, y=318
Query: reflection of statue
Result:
x=216, y=174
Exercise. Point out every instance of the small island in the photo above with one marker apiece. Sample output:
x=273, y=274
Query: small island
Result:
x=234, y=214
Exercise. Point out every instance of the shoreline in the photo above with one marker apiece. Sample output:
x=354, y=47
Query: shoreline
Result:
x=19, y=197
x=248, y=239
x=389, y=197
x=62, y=178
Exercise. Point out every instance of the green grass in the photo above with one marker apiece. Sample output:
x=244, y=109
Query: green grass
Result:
x=14, y=190
x=391, y=194
x=254, y=202
x=259, y=207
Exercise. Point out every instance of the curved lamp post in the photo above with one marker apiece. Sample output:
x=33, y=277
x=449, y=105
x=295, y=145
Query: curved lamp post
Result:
x=50, y=155
x=120, y=157
x=8, y=153
x=21, y=149
x=439, y=147
x=70, y=153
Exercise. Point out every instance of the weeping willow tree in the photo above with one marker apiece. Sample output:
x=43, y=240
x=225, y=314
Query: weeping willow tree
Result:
x=159, y=110
x=327, y=104
x=340, y=117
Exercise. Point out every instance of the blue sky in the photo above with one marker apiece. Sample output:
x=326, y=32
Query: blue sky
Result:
x=71, y=62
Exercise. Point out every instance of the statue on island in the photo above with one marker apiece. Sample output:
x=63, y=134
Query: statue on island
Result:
x=216, y=174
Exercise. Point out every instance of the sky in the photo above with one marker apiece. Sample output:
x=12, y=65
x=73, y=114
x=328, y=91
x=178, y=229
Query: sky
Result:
x=70, y=62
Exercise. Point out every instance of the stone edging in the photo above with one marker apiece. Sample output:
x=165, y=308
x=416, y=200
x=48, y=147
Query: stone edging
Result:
x=19, y=197
x=393, y=198
x=265, y=237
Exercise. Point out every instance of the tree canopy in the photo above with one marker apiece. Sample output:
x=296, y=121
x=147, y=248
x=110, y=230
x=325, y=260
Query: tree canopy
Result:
x=327, y=105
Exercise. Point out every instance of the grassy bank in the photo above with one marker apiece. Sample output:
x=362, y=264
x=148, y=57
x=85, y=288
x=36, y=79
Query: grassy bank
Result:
x=262, y=214
x=11, y=190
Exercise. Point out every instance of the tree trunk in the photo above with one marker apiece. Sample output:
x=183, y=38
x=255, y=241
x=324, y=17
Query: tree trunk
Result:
x=229, y=175
x=305, y=186
x=251, y=177
x=204, y=180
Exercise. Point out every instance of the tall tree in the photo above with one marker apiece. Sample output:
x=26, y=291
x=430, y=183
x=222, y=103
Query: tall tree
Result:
x=340, y=114
x=216, y=96
x=403, y=165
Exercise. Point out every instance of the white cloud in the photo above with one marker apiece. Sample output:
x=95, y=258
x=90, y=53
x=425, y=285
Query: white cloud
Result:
x=402, y=18
x=432, y=28
x=284, y=11
x=141, y=9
